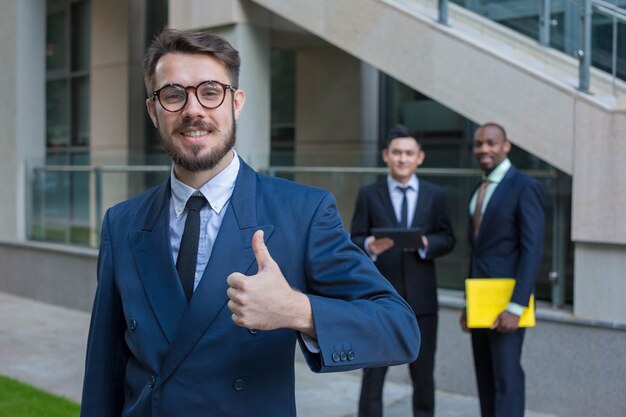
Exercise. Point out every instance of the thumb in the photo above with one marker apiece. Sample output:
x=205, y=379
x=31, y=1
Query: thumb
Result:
x=262, y=255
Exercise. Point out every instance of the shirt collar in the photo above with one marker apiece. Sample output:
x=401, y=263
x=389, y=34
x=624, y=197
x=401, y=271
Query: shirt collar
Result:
x=499, y=172
x=217, y=190
x=392, y=183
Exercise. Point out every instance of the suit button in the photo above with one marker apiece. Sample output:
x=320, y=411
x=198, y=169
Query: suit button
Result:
x=151, y=381
x=336, y=357
x=344, y=356
x=253, y=331
x=239, y=384
x=350, y=355
x=132, y=324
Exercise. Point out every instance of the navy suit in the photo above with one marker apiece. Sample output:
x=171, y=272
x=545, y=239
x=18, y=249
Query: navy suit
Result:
x=509, y=245
x=412, y=276
x=151, y=354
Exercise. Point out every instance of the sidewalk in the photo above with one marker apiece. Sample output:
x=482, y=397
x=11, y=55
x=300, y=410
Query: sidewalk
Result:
x=44, y=345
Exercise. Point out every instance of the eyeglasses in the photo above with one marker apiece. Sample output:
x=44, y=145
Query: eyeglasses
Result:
x=210, y=94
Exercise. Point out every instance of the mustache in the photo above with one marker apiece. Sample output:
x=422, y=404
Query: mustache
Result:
x=199, y=125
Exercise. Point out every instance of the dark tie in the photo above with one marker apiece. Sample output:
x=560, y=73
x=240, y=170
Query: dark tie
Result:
x=188, y=252
x=477, y=217
x=404, y=212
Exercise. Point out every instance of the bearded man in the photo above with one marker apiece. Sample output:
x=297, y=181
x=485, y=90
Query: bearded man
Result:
x=206, y=282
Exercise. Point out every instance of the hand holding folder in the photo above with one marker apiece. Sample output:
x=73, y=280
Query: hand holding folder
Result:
x=488, y=297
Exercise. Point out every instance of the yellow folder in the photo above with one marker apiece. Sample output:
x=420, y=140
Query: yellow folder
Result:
x=488, y=297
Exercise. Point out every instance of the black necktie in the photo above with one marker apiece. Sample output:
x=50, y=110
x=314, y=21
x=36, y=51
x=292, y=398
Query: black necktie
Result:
x=404, y=212
x=188, y=252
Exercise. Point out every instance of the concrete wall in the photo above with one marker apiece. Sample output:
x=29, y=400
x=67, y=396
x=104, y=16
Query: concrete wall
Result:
x=600, y=283
x=52, y=273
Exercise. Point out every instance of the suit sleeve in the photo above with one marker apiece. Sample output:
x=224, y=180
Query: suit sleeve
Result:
x=441, y=239
x=531, y=234
x=360, y=319
x=103, y=386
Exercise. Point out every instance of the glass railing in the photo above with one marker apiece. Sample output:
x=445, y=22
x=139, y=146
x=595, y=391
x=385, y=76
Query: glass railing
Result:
x=59, y=215
x=594, y=31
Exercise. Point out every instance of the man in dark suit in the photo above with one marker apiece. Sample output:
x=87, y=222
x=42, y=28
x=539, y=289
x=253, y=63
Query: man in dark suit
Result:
x=400, y=200
x=206, y=281
x=506, y=238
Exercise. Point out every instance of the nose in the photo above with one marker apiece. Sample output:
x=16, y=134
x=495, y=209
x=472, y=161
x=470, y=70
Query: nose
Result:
x=192, y=107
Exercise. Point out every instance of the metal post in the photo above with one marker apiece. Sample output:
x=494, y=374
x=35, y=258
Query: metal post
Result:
x=443, y=12
x=544, y=23
x=40, y=181
x=98, y=202
x=559, y=242
x=614, y=56
x=584, y=54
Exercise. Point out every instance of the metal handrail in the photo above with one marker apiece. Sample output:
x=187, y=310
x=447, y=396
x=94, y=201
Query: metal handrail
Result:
x=588, y=7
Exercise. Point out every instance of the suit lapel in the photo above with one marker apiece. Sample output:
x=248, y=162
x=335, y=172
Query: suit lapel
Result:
x=495, y=200
x=232, y=252
x=422, y=205
x=152, y=253
x=383, y=192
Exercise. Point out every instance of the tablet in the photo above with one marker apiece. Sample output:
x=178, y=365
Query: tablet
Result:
x=402, y=237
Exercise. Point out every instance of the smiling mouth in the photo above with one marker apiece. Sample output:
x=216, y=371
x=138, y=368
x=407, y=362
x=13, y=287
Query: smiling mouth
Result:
x=194, y=133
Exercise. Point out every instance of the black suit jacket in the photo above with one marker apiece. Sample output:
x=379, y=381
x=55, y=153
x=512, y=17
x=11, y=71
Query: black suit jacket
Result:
x=412, y=276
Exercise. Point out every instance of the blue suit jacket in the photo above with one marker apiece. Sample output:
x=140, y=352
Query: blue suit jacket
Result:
x=510, y=242
x=151, y=354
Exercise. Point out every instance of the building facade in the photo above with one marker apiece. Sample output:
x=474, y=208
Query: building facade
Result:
x=324, y=80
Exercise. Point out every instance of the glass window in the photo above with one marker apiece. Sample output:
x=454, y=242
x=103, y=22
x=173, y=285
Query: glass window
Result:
x=283, y=63
x=80, y=38
x=80, y=111
x=62, y=212
x=55, y=41
x=57, y=133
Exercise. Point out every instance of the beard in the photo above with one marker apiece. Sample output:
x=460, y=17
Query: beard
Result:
x=189, y=157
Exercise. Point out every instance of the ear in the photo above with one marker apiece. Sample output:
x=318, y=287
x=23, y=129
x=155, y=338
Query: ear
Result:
x=239, y=99
x=152, y=112
x=385, y=154
x=421, y=155
x=507, y=147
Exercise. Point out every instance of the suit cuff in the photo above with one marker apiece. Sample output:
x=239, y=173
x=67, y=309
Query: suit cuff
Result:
x=311, y=344
x=515, y=308
x=366, y=245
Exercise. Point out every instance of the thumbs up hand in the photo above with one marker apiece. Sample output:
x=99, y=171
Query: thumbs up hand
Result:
x=265, y=301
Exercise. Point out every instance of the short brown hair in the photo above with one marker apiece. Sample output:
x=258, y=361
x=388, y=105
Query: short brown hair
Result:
x=190, y=42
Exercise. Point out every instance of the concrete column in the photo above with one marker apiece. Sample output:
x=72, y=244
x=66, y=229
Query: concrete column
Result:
x=22, y=113
x=253, y=127
x=329, y=122
x=599, y=283
x=110, y=68
x=370, y=99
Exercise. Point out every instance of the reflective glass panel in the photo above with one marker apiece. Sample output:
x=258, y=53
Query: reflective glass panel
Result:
x=56, y=48
x=57, y=133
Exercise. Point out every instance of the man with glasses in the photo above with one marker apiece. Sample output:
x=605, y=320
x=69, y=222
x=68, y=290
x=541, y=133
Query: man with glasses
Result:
x=206, y=282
